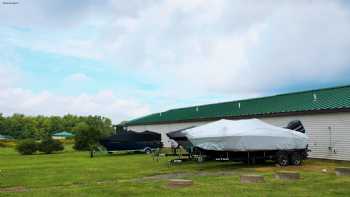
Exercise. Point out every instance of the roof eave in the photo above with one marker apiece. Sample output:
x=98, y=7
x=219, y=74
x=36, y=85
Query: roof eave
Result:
x=335, y=110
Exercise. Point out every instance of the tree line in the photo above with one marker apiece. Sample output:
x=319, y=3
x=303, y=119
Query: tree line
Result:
x=20, y=126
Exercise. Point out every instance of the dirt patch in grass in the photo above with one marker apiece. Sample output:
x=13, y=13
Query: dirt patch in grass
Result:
x=104, y=182
x=219, y=173
x=179, y=183
x=307, y=166
x=13, y=189
x=176, y=175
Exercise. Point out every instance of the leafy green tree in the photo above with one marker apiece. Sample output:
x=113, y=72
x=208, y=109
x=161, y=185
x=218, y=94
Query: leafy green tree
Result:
x=56, y=124
x=90, y=132
x=85, y=136
x=70, y=121
x=49, y=145
x=27, y=147
x=2, y=124
x=20, y=126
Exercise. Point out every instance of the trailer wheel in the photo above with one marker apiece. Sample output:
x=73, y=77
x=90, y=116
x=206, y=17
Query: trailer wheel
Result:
x=260, y=161
x=296, y=159
x=282, y=158
x=253, y=160
x=200, y=159
x=148, y=150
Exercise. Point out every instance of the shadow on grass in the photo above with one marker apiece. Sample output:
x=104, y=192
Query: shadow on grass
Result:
x=119, y=154
x=223, y=165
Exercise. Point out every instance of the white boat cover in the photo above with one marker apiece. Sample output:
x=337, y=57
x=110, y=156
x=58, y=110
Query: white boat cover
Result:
x=244, y=135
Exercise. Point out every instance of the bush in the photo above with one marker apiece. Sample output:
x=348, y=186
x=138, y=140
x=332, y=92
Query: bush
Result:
x=87, y=137
x=69, y=141
x=27, y=147
x=8, y=143
x=49, y=145
x=80, y=144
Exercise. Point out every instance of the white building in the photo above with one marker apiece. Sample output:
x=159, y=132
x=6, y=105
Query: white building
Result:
x=325, y=114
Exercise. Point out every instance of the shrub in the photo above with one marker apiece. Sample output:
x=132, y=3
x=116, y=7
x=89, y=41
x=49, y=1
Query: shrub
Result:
x=27, y=147
x=80, y=144
x=87, y=137
x=49, y=145
x=8, y=143
x=69, y=141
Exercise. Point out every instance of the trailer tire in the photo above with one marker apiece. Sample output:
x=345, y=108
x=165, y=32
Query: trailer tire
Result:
x=148, y=150
x=282, y=158
x=253, y=160
x=200, y=159
x=296, y=158
x=260, y=161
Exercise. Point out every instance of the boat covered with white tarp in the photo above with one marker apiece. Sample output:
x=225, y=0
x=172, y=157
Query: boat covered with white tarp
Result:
x=244, y=135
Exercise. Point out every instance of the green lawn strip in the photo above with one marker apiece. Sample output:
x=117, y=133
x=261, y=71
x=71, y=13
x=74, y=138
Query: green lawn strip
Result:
x=75, y=174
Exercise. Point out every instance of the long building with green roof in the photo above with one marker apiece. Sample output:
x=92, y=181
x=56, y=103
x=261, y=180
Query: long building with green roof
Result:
x=325, y=114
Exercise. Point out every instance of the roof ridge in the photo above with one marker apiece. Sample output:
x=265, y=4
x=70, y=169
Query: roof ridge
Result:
x=262, y=97
x=294, y=106
x=142, y=117
x=312, y=90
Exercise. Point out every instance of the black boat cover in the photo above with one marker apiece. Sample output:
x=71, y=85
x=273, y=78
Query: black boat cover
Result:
x=178, y=134
x=181, y=138
x=131, y=140
x=296, y=125
x=135, y=136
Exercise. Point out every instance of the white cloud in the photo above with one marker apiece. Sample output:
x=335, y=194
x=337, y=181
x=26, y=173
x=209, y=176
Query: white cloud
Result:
x=195, y=49
x=233, y=47
x=8, y=76
x=77, y=77
x=104, y=103
x=14, y=99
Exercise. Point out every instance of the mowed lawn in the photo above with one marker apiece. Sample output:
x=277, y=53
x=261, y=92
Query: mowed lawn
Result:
x=75, y=174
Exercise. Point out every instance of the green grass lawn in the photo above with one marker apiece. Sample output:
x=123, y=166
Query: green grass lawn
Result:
x=75, y=174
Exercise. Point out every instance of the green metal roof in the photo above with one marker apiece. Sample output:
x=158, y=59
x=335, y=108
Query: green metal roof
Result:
x=63, y=134
x=307, y=101
x=5, y=137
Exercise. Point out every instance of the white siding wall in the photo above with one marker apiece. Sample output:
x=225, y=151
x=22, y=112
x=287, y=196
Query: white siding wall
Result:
x=329, y=134
x=324, y=131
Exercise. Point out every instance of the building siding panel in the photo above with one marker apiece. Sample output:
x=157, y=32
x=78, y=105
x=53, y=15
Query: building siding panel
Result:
x=323, y=143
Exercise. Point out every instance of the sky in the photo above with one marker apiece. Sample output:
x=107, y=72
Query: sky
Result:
x=125, y=59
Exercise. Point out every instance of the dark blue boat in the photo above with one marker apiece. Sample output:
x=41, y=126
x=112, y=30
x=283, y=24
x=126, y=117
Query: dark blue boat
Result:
x=129, y=140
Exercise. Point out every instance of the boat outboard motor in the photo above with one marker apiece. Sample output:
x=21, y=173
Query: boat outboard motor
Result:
x=181, y=139
x=296, y=125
